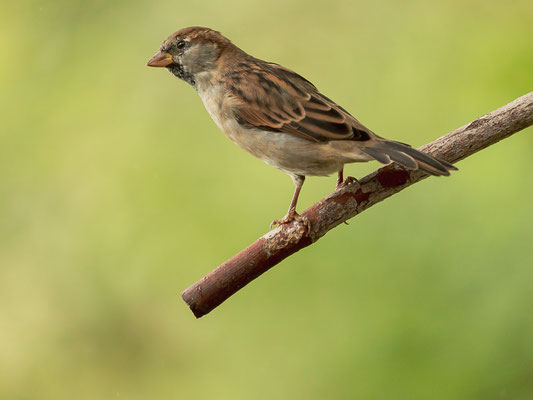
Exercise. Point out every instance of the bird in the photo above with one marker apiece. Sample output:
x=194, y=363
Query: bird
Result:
x=278, y=115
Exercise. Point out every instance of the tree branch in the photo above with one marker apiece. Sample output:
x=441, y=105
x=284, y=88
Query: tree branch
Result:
x=278, y=244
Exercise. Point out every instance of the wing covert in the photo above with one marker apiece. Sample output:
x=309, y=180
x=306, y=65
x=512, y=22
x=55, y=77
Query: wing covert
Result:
x=271, y=97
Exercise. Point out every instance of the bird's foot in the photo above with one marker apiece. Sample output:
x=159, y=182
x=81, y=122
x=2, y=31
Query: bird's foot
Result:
x=292, y=215
x=348, y=181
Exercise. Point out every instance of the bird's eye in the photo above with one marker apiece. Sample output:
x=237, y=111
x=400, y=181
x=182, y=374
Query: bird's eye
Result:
x=180, y=44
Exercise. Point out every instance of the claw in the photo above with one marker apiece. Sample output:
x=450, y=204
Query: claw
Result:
x=348, y=181
x=292, y=215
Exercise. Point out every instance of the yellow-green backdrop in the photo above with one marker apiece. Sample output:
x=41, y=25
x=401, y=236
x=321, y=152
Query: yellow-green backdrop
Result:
x=117, y=191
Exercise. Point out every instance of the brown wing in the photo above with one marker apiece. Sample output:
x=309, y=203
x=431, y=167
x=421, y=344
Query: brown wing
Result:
x=271, y=97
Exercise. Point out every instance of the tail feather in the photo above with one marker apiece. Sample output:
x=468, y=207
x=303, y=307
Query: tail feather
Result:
x=386, y=151
x=403, y=158
x=377, y=154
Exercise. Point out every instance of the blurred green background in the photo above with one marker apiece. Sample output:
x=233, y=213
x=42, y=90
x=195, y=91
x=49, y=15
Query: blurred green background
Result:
x=117, y=191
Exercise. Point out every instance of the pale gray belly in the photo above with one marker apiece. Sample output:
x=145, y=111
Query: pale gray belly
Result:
x=294, y=155
x=289, y=153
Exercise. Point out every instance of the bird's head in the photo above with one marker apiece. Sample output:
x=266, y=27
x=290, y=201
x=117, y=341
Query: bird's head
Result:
x=190, y=52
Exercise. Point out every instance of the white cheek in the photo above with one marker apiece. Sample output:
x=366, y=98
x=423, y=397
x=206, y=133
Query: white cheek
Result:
x=179, y=60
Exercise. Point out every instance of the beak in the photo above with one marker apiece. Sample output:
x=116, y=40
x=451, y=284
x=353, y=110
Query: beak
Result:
x=160, y=59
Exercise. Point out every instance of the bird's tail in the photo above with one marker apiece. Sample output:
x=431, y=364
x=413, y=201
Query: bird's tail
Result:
x=386, y=151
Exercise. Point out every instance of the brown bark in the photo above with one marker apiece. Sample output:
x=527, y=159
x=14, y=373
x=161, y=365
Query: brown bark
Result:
x=336, y=208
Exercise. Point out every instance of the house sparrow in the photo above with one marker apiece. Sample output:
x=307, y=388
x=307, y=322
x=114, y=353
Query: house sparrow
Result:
x=277, y=115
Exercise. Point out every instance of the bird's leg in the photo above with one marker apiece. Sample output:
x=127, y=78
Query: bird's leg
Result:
x=341, y=182
x=292, y=214
x=340, y=178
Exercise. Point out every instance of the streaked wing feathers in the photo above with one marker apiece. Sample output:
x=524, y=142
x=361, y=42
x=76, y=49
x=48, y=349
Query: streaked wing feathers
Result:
x=271, y=97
